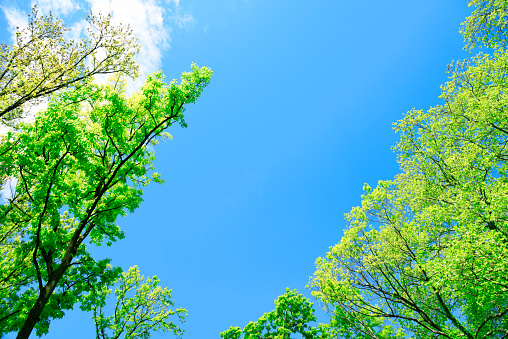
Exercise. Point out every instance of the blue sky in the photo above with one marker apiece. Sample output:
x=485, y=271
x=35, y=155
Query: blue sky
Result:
x=297, y=117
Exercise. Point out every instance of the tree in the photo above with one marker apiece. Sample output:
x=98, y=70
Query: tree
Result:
x=293, y=313
x=134, y=316
x=42, y=61
x=80, y=165
x=426, y=254
x=487, y=26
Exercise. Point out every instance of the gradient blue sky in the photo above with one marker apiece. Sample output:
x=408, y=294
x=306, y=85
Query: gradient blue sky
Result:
x=297, y=117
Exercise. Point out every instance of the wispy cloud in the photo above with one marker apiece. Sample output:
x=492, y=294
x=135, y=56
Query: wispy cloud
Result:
x=176, y=2
x=146, y=18
x=57, y=7
x=184, y=21
x=15, y=18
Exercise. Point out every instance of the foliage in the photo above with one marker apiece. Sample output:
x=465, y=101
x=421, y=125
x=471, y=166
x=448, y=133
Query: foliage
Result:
x=42, y=61
x=79, y=166
x=487, y=25
x=426, y=254
x=134, y=316
x=293, y=313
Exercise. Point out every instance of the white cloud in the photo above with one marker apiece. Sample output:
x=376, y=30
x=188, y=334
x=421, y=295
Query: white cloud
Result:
x=183, y=20
x=29, y=112
x=15, y=18
x=146, y=19
x=57, y=7
x=3, y=131
x=8, y=190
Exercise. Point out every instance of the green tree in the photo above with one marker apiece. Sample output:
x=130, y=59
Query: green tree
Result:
x=426, y=254
x=42, y=61
x=147, y=310
x=80, y=165
x=293, y=314
x=487, y=26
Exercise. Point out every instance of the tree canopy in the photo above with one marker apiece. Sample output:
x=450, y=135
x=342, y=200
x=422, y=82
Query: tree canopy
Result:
x=487, y=26
x=42, y=60
x=426, y=254
x=82, y=163
x=142, y=306
x=293, y=314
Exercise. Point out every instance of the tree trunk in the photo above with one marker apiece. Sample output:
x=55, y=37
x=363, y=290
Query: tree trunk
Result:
x=36, y=311
x=44, y=295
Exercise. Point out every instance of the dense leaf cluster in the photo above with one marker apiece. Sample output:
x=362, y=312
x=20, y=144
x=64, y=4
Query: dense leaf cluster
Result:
x=426, y=254
x=82, y=163
x=293, y=314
